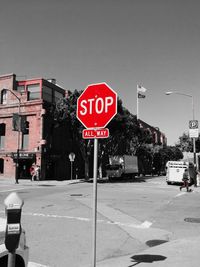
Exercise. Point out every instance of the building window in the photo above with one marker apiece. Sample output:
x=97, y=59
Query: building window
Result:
x=25, y=134
x=47, y=94
x=58, y=96
x=4, y=96
x=25, y=141
x=2, y=135
x=33, y=91
x=1, y=166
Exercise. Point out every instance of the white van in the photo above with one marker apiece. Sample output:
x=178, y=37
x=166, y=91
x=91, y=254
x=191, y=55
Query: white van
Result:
x=175, y=170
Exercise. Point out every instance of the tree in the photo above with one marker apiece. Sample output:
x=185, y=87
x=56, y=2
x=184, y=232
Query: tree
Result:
x=185, y=143
x=124, y=130
x=126, y=137
x=170, y=153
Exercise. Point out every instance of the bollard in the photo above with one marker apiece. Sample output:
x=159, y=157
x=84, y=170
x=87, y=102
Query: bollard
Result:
x=13, y=206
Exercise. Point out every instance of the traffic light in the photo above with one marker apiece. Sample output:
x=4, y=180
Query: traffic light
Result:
x=24, y=125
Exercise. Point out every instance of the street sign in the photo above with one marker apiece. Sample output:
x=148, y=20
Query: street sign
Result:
x=193, y=124
x=193, y=129
x=71, y=156
x=95, y=133
x=96, y=106
x=193, y=133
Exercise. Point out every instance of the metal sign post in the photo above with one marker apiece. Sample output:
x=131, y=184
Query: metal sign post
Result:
x=96, y=107
x=71, y=158
x=95, y=200
x=11, y=259
x=194, y=133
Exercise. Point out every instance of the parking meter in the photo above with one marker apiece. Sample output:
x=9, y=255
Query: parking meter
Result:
x=13, y=205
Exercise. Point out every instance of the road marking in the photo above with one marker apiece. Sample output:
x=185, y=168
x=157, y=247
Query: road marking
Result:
x=10, y=190
x=143, y=225
x=146, y=224
x=34, y=264
x=180, y=194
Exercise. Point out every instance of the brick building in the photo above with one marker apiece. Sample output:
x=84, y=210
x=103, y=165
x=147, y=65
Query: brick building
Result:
x=42, y=143
x=159, y=138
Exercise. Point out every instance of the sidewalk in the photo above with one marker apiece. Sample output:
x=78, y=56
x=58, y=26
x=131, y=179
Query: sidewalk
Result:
x=178, y=253
x=25, y=182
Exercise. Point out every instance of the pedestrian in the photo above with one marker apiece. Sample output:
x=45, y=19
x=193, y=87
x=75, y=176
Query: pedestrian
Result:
x=32, y=172
x=194, y=175
x=37, y=172
x=185, y=180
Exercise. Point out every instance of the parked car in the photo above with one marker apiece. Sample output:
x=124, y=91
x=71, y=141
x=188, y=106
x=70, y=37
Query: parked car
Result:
x=22, y=251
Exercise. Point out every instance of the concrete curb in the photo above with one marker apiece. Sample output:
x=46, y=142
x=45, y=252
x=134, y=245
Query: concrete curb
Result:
x=174, y=253
x=49, y=182
x=34, y=264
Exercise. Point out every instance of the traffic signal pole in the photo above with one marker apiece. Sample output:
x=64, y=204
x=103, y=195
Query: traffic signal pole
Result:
x=18, y=137
x=18, y=144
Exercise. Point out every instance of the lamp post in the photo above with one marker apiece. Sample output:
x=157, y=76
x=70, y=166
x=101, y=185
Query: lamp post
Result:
x=187, y=95
x=18, y=137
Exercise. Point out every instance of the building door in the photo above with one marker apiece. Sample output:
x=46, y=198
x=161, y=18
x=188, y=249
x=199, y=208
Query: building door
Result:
x=50, y=171
x=24, y=168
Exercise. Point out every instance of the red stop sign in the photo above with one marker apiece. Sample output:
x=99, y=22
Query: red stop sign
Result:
x=97, y=105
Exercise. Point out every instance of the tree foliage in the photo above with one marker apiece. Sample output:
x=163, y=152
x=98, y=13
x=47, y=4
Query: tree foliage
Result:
x=185, y=143
x=124, y=129
x=126, y=136
x=170, y=153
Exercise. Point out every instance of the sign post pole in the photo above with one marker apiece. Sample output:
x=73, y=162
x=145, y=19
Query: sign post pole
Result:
x=95, y=200
x=71, y=158
x=96, y=107
x=194, y=149
x=194, y=133
x=13, y=205
x=11, y=259
x=71, y=169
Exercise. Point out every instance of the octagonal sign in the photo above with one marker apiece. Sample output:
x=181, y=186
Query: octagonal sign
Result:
x=97, y=105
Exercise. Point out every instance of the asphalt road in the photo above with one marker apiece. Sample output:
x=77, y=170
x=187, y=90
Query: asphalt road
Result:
x=132, y=216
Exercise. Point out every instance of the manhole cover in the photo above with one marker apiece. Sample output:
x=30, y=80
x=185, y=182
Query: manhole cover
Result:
x=76, y=195
x=46, y=185
x=192, y=220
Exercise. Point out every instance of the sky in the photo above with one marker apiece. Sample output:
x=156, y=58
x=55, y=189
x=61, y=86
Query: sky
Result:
x=154, y=43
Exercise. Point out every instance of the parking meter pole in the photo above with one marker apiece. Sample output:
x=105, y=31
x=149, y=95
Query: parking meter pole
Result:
x=95, y=200
x=13, y=204
x=11, y=259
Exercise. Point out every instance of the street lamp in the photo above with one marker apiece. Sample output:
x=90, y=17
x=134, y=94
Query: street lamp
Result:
x=18, y=138
x=178, y=93
x=187, y=95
